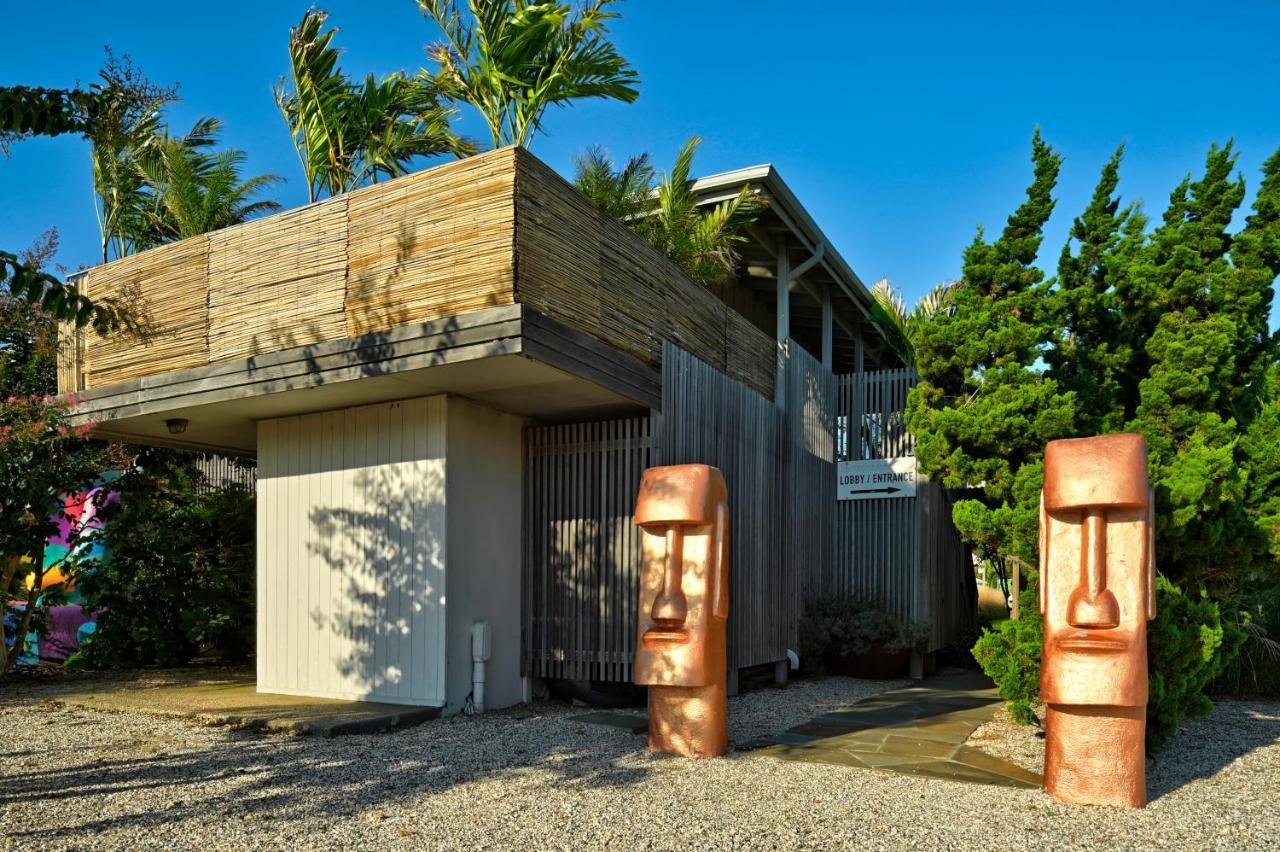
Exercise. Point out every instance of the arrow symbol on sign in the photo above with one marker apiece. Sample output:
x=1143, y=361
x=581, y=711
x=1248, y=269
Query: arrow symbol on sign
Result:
x=889, y=490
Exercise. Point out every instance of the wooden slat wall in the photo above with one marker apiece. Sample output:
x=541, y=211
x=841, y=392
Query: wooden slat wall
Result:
x=431, y=245
x=582, y=552
x=708, y=418
x=167, y=288
x=903, y=552
x=582, y=557
x=575, y=264
x=809, y=480
x=279, y=287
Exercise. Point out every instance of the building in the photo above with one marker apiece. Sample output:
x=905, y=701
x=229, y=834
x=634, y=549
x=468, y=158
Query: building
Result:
x=451, y=382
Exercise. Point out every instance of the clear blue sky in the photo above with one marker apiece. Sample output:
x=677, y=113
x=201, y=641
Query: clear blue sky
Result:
x=900, y=126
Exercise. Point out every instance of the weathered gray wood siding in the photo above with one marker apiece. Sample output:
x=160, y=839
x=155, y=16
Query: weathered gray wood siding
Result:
x=808, y=474
x=708, y=418
x=582, y=552
x=903, y=552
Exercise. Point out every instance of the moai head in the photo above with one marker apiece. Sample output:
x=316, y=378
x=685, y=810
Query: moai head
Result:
x=1097, y=571
x=684, y=582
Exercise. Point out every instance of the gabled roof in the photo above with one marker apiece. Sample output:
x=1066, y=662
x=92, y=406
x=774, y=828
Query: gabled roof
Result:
x=786, y=216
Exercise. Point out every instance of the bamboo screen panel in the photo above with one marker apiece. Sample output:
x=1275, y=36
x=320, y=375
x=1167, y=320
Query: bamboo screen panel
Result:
x=432, y=245
x=577, y=265
x=280, y=286
x=176, y=313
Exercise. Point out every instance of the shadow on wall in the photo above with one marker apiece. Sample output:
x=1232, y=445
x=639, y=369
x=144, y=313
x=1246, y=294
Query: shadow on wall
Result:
x=382, y=545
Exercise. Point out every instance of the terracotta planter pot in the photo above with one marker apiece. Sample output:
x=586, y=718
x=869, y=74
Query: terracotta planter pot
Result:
x=876, y=664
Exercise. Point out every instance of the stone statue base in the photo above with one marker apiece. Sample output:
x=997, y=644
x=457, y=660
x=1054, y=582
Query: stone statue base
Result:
x=1095, y=754
x=689, y=721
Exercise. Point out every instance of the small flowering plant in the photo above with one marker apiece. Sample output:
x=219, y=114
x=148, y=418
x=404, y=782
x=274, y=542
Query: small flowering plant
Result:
x=42, y=457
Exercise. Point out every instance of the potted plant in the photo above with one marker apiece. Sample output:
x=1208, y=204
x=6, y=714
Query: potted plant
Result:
x=845, y=634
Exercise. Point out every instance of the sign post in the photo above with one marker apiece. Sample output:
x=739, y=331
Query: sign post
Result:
x=876, y=479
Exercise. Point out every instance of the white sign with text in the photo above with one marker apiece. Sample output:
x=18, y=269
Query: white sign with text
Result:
x=876, y=479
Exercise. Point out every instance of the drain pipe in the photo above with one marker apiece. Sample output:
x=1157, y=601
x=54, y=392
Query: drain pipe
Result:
x=481, y=647
x=794, y=659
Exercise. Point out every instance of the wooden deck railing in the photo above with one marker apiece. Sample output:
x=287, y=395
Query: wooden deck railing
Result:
x=489, y=230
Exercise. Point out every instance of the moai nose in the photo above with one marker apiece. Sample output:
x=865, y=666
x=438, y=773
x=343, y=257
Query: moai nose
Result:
x=1092, y=605
x=670, y=607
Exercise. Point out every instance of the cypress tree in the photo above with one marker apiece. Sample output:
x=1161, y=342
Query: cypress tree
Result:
x=983, y=410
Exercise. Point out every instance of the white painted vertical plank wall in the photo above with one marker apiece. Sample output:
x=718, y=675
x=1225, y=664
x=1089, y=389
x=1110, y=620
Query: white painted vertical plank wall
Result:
x=351, y=553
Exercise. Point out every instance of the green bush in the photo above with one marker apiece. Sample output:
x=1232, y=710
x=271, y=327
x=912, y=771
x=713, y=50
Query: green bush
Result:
x=179, y=581
x=1254, y=672
x=843, y=626
x=1009, y=652
x=1188, y=643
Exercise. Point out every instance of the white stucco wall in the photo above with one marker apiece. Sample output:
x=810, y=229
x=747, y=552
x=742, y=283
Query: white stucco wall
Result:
x=485, y=492
x=384, y=532
x=352, y=537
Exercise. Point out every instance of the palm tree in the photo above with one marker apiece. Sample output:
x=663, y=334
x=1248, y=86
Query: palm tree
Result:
x=665, y=212
x=902, y=327
x=347, y=134
x=193, y=190
x=624, y=193
x=511, y=59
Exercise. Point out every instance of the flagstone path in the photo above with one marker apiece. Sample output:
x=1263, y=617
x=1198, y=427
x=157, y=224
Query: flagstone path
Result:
x=919, y=730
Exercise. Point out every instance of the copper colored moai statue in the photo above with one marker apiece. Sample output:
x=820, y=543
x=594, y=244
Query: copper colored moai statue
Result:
x=683, y=511
x=1097, y=592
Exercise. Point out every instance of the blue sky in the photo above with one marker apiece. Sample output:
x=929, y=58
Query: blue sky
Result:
x=901, y=126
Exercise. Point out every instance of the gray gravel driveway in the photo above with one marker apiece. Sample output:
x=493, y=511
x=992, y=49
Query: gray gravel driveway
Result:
x=534, y=778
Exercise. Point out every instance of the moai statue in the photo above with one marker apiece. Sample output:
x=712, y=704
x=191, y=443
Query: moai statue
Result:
x=1097, y=593
x=683, y=511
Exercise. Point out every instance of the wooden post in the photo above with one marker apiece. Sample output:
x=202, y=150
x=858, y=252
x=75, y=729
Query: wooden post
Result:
x=784, y=318
x=827, y=330
x=1013, y=589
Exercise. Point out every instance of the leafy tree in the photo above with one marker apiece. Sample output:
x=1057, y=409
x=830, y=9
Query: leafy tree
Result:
x=28, y=336
x=511, y=59
x=180, y=577
x=348, y=134
x=666, y=213
x=41, y=458
x=983, y=410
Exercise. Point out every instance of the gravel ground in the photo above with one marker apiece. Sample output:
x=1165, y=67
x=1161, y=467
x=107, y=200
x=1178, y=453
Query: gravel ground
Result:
x=534, y=778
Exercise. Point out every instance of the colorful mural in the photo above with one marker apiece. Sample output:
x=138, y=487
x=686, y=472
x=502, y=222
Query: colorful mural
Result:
x=68, y=623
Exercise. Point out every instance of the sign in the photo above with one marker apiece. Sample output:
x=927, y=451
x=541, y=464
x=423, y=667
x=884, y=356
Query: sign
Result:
x=876, y=479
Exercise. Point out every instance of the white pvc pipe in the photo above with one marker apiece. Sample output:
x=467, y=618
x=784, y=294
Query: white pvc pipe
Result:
x=477, y=685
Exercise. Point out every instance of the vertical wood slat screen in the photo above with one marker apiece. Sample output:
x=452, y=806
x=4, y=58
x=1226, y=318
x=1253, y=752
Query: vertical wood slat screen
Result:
x=809, y=472
x=582, y=568
x=903, y=552
x=709, y=418
x=582, y=555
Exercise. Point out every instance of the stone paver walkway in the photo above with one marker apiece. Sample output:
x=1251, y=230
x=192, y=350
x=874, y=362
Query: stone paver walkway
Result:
x=919, y=730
